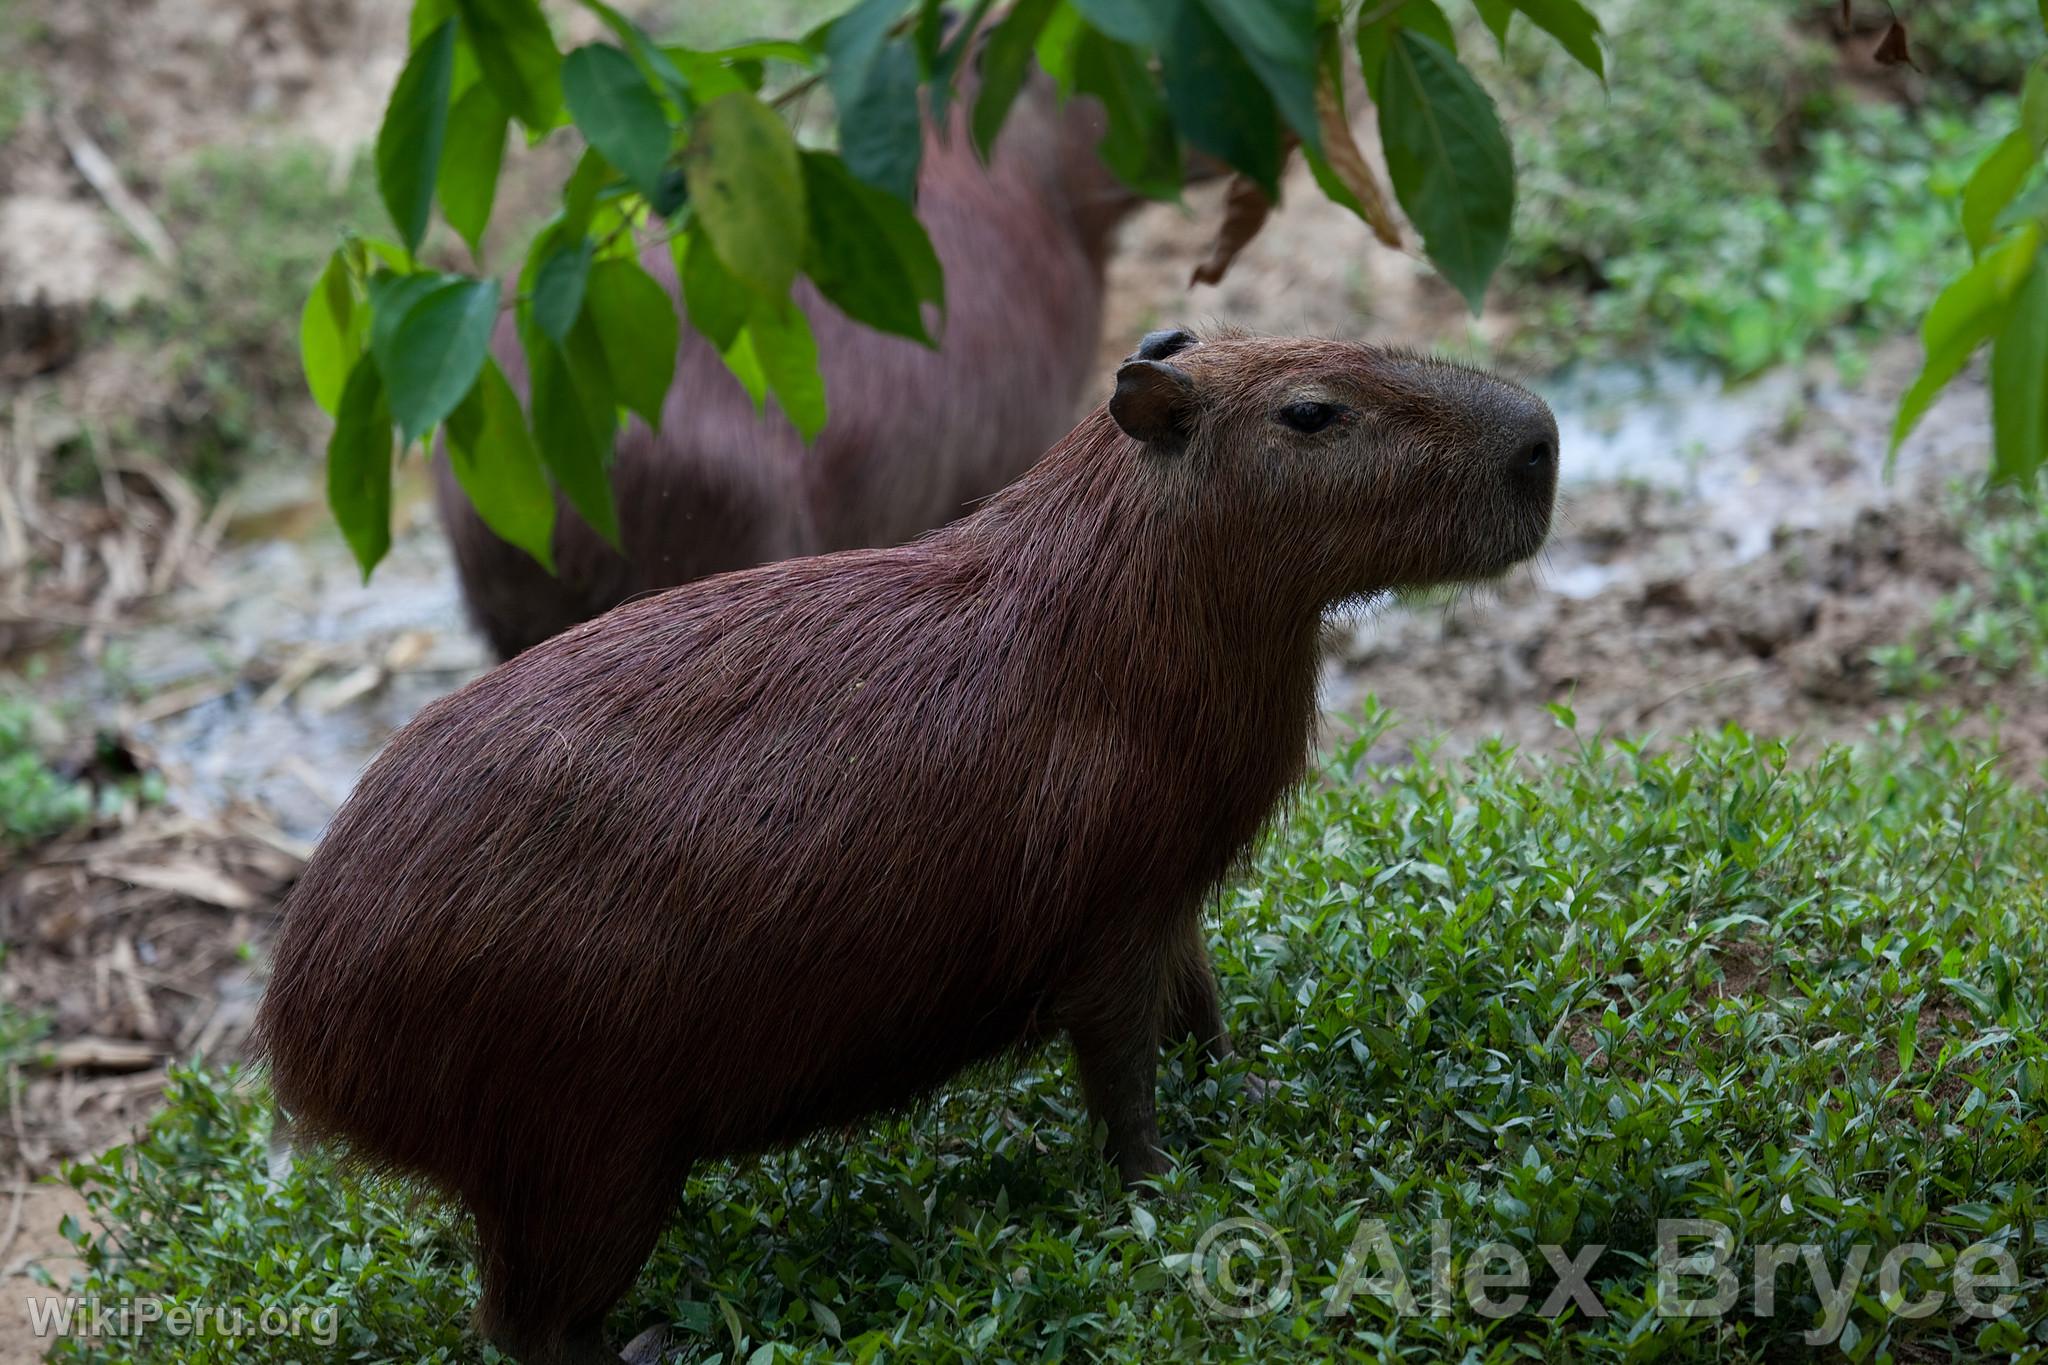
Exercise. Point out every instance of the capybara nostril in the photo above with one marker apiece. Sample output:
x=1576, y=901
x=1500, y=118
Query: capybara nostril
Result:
x=1531, y=451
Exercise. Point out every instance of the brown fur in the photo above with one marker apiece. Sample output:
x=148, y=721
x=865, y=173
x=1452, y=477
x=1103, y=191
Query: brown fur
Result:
x=776, y=850
x=915, y=435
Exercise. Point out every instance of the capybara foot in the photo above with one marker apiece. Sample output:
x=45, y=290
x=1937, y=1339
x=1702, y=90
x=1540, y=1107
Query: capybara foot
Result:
x=654, y=1346
x=1259, y=1089
x=1146, y=1163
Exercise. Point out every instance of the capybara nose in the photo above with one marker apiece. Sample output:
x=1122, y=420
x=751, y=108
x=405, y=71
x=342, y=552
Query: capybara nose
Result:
x=1532, y=450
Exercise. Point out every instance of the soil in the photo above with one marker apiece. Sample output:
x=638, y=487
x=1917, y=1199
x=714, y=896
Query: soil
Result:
x=1719, y=555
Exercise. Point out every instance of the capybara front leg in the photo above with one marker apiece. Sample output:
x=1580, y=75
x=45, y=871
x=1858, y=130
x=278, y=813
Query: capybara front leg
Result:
x=1116, y=1043
x=561, y=1244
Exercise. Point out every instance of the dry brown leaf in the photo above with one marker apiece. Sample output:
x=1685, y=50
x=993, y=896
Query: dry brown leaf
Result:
x=1893, y=49
x=100, y=1054
x=182, y=877
x=1349, y=165
x=1245, y=207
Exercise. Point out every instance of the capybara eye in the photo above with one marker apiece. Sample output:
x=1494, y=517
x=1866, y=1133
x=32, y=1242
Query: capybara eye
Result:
x=1310, y=417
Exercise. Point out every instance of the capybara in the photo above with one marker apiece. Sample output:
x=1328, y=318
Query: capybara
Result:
x=915, y=435
x=775, y=850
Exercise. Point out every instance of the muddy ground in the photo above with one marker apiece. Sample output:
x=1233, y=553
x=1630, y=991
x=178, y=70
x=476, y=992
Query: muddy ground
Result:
x=1720, y=555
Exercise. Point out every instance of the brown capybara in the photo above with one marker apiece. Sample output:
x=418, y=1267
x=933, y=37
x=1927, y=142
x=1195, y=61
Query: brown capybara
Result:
x=915, y=434
x=775, y=850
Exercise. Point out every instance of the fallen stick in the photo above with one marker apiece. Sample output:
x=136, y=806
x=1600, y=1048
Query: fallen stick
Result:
x=100, y=173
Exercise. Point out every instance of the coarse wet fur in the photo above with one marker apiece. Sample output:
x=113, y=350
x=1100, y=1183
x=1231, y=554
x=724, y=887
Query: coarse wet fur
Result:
x=915, y=436
x=776, y=850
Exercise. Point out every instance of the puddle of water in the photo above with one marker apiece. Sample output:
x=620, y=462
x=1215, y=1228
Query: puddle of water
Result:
x=363, y=657
x=1789, y=449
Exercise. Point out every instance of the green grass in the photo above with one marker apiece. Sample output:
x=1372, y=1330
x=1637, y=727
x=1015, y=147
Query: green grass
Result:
x=36, y=801
x=1547, y=1002
x=1728, y=195
x=39, y=799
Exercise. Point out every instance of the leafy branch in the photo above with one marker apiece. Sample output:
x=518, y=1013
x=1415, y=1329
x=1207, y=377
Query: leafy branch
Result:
x=687, y=139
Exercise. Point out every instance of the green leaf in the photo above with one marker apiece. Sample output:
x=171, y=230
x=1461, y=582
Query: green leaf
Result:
x=636, y=324
x=1449, y=160
x=1005, y=63
x=392, y=295
x=1992, y=185
x=1375, y=38
x=558, y=287
x=1574, y=27
x=748, y=190
x=359, y=466
x=1055, y=46
x=868, y=253
x=2019, y=384
x=517, y=53
x=498, y=467
x=655, y=64
x=873, y=80
x=705, y=76
x=717, y=303
x=593, y=174
x=1277, y=39
x=1140, y=144
x=431, y=352
x=409, y=141
x=617, y=110
x=330, y=334
x=766, y=50
x=781, y=338
x=2034, y=104
x=739, y=357
x=1967, y=312
x=574, y=417
x=474, y=151
x=1218, y=102
x=426, y=16
x=1127, y=21
x=938, y=72
x=1496, y=15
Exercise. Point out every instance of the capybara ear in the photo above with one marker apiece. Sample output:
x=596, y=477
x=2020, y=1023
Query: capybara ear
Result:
x=1154, y=402
x=1170, y=341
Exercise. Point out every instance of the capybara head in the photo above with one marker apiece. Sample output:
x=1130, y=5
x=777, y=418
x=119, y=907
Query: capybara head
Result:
x=1358, y=468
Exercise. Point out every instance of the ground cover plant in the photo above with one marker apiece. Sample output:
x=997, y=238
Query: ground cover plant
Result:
x=1733, y=194
x=1544, y=1002
x=1987, y=631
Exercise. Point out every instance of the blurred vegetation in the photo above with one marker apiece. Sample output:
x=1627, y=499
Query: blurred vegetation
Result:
x=36, y=800
x=1984, y=633
x=20, y=87
x=253, y=225
x=1731, y=195
x=1734, y=195
x=40, y=796
x=1547, y=1001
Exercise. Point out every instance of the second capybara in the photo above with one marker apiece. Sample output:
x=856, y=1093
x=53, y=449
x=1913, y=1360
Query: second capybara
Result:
x=915, y=435
x=776, y=850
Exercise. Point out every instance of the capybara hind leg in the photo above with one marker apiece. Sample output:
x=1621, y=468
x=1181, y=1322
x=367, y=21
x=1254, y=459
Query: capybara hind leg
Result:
x=552, y=1271
x=1194, y=1013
